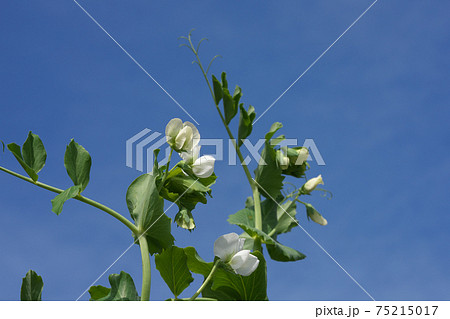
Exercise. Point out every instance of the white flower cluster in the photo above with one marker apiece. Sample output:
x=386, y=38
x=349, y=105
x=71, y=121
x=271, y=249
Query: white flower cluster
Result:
x=184, y=139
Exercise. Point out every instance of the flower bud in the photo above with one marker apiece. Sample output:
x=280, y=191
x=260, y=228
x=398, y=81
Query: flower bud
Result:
x=283, y=160
x=302, y=156
x=312, y=183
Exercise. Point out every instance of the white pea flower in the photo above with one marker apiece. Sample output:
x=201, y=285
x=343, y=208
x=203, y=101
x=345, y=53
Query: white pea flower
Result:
x=182, y=137
x=311, y=184
x=229, y=249
x=203, y=166
x=303, y=154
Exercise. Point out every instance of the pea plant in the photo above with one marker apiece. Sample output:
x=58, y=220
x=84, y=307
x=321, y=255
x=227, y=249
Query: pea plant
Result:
x=237, y=270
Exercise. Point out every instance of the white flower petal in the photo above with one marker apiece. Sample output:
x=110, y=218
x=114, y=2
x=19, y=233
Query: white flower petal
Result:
x=303, y=154
x=241, y=244
x=190, y=157
x=226, y=246
x=244, y=263
x=250, y=265
x=239, y=259
x=312, y=183
x=203, y=167
x=195, y=133
x=183, y=141
x=172, y=128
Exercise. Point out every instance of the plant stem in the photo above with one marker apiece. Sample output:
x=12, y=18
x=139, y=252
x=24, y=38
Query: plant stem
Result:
x=146, y=270
x=213, y=270
x=167, y=170
x=253, y=185
x=83, y=199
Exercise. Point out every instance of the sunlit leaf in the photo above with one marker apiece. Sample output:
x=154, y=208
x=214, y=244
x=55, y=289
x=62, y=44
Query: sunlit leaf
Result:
x=172, y=265
x=143, y=200
x=122, y=289
x=98, y=292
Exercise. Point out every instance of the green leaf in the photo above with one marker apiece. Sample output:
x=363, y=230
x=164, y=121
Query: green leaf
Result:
x=227, y=285
x=32, y=286
x=32, y=156
x=280, y=252
x=33, y=152
x=224, y=80
x=122, y=289
x=246, y=119
x=3, y=145
x=237, y=96
x=195, y=263
x=98, y=292
x=230, y=109
x=172, y=265
x=273, y=129
x=58, y=201
x=78, y=164
x=143, y=200
x=159, y=236
x=217, y=90
x=268, y=174
x=15, y=149
x=147, y=210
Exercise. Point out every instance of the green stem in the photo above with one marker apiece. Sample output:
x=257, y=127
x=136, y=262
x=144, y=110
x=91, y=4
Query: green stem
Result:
x=146, y=269
x=207, y=280
x=258, y=217
x=83, y=199
x=167, y=170
x=256, y=196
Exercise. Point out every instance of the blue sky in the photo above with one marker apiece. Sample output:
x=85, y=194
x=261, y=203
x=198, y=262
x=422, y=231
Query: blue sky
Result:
x=376, y=106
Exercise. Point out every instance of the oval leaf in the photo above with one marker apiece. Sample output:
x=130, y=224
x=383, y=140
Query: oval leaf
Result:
x=32, y=285
x=78, y=164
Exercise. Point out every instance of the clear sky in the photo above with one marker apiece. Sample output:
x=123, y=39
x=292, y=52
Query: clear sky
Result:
x=376, y=105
